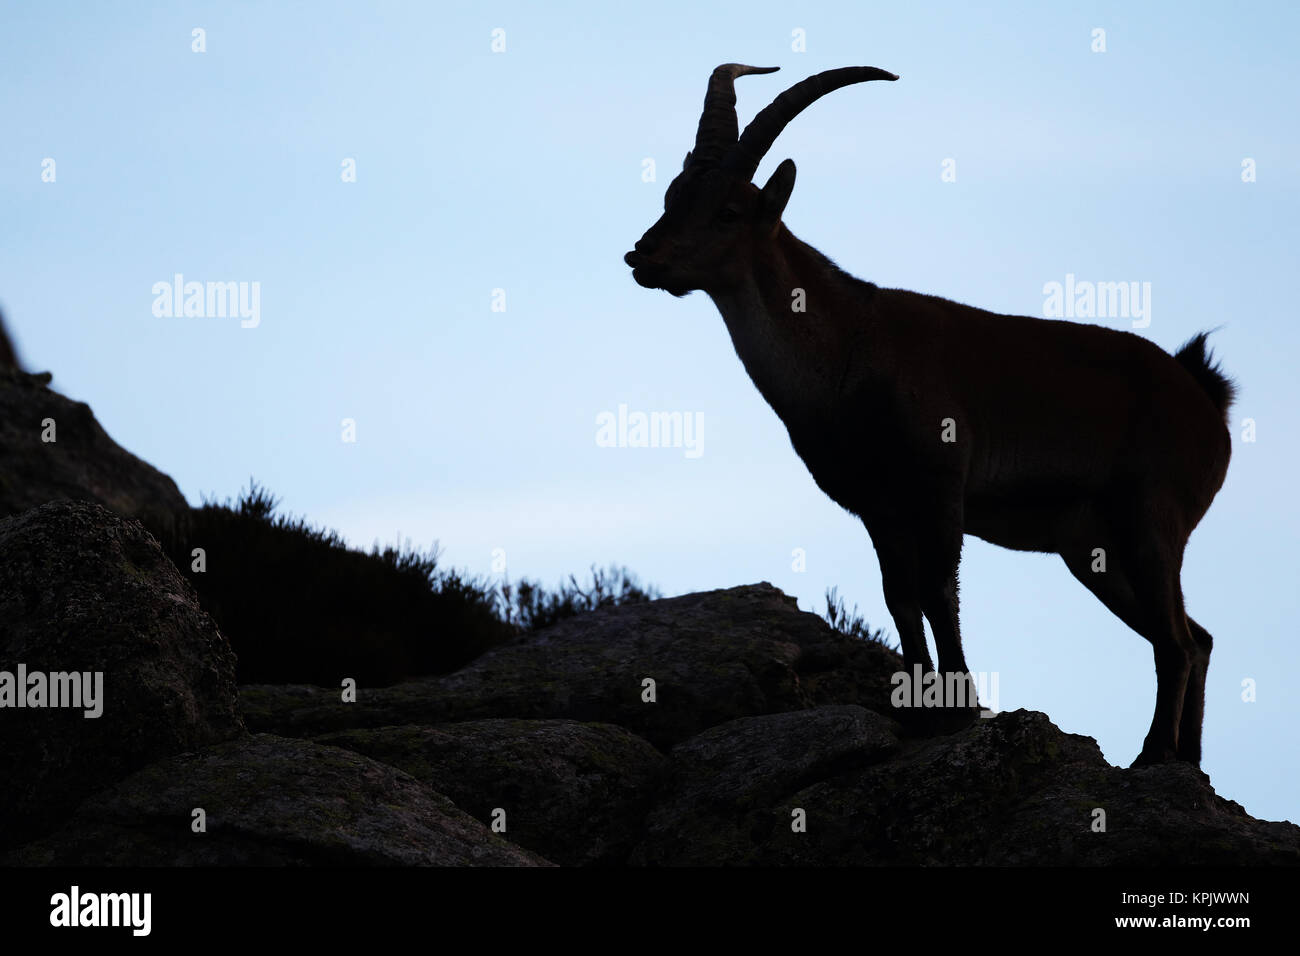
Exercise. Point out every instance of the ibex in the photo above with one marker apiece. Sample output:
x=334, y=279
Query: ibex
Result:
x=930, y=419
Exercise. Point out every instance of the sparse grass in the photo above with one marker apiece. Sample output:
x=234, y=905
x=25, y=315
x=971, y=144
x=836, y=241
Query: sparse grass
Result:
x=298, y=605
x=531, y=607
x=852, y=623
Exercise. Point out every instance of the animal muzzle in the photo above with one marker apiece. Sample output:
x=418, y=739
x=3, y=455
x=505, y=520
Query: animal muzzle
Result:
x=644, y=272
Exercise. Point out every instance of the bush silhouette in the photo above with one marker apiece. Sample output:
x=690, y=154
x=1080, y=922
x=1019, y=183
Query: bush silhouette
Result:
x=298, y=605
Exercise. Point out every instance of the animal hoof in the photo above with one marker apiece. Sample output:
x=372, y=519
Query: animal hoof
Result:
x=938, y=721
x=1148, y=758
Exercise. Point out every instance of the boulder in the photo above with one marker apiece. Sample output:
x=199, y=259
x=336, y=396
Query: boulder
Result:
x=82, y=464
x=713, y=656
x=8, y=355
x=271, y=801
x=85, y=592
x=575, y=793
x=727, y=784
x=1009, y=790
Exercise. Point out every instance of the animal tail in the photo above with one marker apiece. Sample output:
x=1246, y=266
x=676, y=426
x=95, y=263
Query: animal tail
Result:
x=1200, y=362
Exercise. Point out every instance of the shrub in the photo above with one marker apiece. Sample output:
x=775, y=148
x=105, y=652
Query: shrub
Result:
x=851, y=622
x=298, y=605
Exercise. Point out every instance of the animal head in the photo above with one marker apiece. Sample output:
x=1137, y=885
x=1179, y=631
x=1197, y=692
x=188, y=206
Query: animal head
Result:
x=714, y=216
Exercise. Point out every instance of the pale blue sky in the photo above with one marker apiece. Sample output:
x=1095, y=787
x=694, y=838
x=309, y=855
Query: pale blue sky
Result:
x=522, y=170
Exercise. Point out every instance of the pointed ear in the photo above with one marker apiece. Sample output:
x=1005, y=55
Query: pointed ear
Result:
x=687, y=161
x=777, y=192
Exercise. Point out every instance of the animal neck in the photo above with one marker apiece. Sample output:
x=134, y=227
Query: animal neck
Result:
x=795, y=320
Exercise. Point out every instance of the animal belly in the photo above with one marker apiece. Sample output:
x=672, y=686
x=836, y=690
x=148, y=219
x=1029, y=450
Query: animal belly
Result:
x=1019, y=525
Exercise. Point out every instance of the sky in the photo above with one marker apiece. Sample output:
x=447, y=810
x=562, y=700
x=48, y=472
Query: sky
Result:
x=432, y=202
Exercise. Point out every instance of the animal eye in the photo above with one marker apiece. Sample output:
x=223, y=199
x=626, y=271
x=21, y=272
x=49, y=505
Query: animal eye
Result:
x=727, y=214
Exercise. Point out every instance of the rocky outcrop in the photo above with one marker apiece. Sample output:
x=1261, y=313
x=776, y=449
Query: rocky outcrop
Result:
x=712, y=657
x=722, y=728
x=85, y=593
x=8, y=356
x=81, y=463
x=575, y=793
x=728, y=783
x=1012, y=790
x=767, y=714
x=268, y=801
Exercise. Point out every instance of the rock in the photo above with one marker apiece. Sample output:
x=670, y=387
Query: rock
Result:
x=769, y=710
x=766, y=711
x=82, y=464
x=725, y=781
x=713, y=656
x=82, y=590
x=271, y=801
x=1010, y=790
x=8, y=356
x=575, y=793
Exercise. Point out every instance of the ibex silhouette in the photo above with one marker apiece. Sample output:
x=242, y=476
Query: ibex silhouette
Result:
x=930, y=419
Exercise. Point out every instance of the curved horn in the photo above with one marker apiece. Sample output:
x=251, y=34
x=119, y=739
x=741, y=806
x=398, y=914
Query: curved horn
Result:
x=718, y=127
x=760, y=134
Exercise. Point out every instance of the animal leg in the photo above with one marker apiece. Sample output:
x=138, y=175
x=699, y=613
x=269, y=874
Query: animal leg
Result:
x=1189, y=728
x=940, y=604
x=1140, y=586
x=898, y=577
